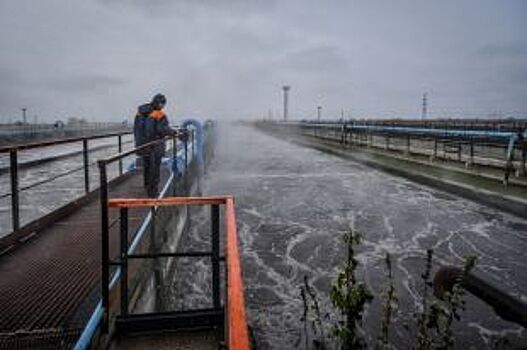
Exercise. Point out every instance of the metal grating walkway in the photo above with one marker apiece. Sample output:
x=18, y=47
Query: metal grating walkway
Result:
x=51, y=283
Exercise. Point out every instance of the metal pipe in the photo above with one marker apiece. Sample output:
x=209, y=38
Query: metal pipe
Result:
x=502, y=135
x=15, y=211
x=170, y=255
x=86, y=165
x=506, y=306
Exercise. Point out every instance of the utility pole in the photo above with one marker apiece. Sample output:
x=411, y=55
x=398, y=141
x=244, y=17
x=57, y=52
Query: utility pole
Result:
x=286, y=91
x=319, y=110
x=24, y=115
x=425, y=105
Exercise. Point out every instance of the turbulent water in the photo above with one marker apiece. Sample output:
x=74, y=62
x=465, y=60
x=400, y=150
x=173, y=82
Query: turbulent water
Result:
x=293, y=205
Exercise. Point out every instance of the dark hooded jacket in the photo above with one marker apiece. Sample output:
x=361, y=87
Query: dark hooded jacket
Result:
x=150, y=125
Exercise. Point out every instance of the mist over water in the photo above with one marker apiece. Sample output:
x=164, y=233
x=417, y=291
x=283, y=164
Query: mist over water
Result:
x=293, y=205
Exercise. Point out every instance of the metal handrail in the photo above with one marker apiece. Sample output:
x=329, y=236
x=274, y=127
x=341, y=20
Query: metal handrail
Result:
x=53, y=178
x=13, y=168
x=510, y=140
x=121, y=155
x=238, y=333
x=26, y=146
x=236, y=329
x=97, y=320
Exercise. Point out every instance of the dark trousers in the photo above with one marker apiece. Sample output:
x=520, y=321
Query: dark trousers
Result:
x=151, y=163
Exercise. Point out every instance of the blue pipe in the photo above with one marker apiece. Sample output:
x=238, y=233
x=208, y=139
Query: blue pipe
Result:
x=441, y=132
x=449, y=132
x=92, y=325
x=198, y=126
x=511, y=136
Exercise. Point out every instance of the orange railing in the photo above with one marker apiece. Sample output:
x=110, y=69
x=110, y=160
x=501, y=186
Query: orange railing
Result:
x=236, y=327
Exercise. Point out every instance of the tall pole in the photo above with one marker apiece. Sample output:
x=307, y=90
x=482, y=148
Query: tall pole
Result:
x=319, y=110
x=286, y=91
x=24, y=115
x=425, y=105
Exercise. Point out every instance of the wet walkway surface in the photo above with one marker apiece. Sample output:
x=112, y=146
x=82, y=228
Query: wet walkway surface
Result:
x=293, y=205
x=50, y=284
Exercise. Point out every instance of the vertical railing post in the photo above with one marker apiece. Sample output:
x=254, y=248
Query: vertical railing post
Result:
x=86, y=165
x=524, y=156
x=226, y=298
x=124, y=261
x=215, y=226
x=15, y=210
x=174, y=165
x=174, y=149
x=120, y=149
x=186, y=153
x=105, y=254
x=193, y=146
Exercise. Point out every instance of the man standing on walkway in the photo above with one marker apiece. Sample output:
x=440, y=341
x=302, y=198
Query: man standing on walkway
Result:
x=151, y=124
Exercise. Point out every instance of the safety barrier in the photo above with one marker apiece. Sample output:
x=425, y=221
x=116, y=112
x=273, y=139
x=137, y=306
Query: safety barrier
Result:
x=455, y=140
x=235, y=327
x=14, y=166
x=100, y=319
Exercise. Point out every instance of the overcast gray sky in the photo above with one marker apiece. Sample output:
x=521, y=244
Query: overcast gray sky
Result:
x=99, y=59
